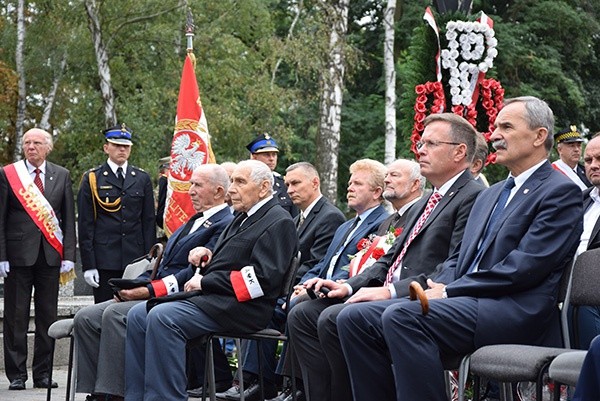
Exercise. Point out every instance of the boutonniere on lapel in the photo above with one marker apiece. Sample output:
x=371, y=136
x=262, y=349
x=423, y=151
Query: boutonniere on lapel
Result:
x=207, y=224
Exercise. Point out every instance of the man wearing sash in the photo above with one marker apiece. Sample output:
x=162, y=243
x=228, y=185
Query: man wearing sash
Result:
x=37, y=243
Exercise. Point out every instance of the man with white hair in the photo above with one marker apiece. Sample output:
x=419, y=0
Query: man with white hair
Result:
x=37, y=243
x=241, y=276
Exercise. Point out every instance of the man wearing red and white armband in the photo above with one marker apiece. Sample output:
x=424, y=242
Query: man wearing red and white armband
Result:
x=235, y=289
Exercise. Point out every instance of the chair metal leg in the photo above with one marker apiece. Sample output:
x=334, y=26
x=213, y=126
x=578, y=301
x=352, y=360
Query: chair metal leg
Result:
x=261, y=381
x=72, y=374
x=238, y=345
x=463, y=373
x=506, y=392
x=50, y=369
x=209, y=371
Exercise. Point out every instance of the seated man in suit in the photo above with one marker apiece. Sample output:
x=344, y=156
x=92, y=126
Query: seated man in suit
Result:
x=404, y=186
x=234, y=288
x=588, y=385
x=365, y=190
x=500, y=287
x=99, y=329
x=588, y=317
x=431, y=234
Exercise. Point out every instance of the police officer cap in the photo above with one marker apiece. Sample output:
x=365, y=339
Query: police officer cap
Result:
x=164, y=162
x=568, y=135
x=263, y=143
x=119, y=134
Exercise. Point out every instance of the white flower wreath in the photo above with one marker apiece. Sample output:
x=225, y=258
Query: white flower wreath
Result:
x=473, y=38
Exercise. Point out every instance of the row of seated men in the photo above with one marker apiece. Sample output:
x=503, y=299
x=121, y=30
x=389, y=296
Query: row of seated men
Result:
x=490, y=261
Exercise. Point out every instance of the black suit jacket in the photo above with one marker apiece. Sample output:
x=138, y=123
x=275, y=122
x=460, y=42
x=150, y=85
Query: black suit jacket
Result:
x=316, y=233
x=594, y=241
x=19, y=236
x=267, y=241
x=438, y=238
x=110, y=241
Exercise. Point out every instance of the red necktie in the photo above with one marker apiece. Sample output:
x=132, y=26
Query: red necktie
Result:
x=433, y=200
x=38, y=181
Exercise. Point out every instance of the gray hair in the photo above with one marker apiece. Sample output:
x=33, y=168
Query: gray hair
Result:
x=259, y=171
x=217, y=174
x=308, y=169
x=539, y=114
x=47, y=135
x=415, y=173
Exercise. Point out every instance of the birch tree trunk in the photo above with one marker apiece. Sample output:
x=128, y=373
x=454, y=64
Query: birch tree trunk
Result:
x=332, y=86
x=108, y=97
x=45, y=121
x=390, y=82
x=22, y=89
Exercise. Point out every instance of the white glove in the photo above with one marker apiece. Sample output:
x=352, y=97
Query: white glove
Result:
x=92, y=277
x=4, y=268
x=66, y=266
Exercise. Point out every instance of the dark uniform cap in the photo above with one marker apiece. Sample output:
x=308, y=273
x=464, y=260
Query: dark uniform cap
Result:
x=263, y=143
x=568, y=135
x=119, y=134
x=164, y=162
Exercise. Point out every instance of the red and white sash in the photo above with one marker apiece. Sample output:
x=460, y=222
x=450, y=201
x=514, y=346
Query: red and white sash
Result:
x=35, y=204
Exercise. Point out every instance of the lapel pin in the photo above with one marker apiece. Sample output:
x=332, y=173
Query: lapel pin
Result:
x=207, y=224
x=451, y=193
x=51, y=178
x=526, y=191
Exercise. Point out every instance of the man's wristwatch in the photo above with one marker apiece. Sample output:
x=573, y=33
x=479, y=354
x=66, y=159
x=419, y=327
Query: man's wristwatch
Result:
x=444, y=293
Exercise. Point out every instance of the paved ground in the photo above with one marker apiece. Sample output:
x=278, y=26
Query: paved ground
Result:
x=31, y=394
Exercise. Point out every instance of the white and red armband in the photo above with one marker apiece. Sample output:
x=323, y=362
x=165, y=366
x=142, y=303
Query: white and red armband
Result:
x=245, y=284
x=165, y=286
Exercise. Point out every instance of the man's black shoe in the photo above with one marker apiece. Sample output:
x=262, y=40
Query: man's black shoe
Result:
x=286, y=395
x=43, y=383
x=251, y=392
x=220, y=387
x=17, y=384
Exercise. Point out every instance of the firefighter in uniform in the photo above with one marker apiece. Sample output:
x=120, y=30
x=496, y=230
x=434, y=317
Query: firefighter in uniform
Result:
x=264, y=148
x=116, y=222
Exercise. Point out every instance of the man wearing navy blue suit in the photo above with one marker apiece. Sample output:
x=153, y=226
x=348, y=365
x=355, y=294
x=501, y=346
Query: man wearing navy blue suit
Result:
x=100, y=329
x=500, y=287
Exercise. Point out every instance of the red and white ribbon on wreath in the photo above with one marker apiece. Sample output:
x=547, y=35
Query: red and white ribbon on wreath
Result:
x=431, y=21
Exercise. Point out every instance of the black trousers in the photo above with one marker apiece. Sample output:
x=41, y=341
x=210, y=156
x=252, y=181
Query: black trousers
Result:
x=18, y=287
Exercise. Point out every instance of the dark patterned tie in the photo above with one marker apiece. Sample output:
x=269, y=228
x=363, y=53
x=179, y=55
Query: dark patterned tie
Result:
x=38, y=181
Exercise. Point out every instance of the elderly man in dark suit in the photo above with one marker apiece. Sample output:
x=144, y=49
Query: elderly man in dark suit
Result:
x=316, y=224
x=37, y=243
x=235, y=289
x=431, y=234
x=500, y=287
x=116, y=220
x=99, y=329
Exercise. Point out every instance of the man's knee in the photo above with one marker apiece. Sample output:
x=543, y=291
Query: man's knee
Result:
x=327, y=323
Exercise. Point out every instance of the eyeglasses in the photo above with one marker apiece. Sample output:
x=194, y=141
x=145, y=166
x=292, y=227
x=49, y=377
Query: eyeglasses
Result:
x=434, y=144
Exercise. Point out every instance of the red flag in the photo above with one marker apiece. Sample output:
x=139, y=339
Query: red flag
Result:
x=189, y=149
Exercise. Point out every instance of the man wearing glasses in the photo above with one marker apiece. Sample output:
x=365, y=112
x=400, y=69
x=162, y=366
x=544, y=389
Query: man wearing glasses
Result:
x=433, y=229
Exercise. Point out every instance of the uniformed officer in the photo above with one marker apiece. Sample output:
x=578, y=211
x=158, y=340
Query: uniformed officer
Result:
x=264, y=148
x=568, y=145
x=116, y=222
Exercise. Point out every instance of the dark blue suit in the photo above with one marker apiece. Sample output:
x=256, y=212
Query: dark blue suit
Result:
x=511, y=298
x=369, y=226
x=588, y=385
